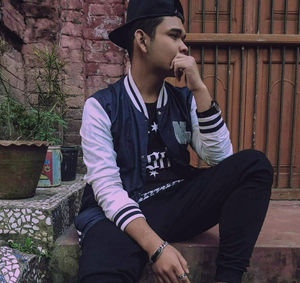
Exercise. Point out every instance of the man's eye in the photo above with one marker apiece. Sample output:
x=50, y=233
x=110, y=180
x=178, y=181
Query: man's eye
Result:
x=173, y=35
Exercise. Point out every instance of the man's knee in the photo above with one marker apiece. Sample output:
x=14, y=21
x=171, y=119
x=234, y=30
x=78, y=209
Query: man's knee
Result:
x=255, y=156
x=259, y=163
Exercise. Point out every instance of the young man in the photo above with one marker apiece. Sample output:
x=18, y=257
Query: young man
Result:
x=141, y=191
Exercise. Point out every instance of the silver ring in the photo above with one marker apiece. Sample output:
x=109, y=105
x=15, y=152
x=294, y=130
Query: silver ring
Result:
x=182, y=276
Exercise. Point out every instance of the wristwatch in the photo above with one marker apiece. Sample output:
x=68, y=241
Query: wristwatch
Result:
x=214, y=105
x=214, y=109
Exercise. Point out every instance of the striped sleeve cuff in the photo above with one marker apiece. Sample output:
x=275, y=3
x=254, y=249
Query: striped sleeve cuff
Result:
x=126, y=215
x=210, y=124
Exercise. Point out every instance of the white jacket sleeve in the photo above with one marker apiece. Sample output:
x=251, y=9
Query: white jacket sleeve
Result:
x=210, y=138
x=102, y=171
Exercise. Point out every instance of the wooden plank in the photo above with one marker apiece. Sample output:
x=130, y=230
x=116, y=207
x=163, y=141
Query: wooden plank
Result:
x=285, y=194
x=242, y=39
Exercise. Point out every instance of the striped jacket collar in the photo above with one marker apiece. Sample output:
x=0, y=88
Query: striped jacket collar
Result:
x=137, y=98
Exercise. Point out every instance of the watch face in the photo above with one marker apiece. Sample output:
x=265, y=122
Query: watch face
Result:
x=215, y=105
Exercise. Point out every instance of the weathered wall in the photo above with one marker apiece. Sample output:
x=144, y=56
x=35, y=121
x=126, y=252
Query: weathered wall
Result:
x=11, y=61
x=94, y=61
x=11, y=64
x=71, y=47
x=80, y=28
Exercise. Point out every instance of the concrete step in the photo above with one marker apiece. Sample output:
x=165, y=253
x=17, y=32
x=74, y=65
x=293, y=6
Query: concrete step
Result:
x=65, y=258
x=44, y=217
x=18, y=267
x=276, y=257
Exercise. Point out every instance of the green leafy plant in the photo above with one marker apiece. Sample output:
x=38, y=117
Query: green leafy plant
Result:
x=43, y=119
x=6, y=110
x=49, y=81
x=28, y=247
x=28, y=124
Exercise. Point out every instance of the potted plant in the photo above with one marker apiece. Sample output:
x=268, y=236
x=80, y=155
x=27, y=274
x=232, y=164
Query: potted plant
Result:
x=25, y=134
x=49, y=82
x=51, y=98
x=21, y=156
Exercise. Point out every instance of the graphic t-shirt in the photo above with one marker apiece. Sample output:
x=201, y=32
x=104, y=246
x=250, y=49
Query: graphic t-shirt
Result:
x=158, y=170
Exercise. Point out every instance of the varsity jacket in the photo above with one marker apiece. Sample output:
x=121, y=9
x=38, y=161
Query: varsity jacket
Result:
x=114, y=136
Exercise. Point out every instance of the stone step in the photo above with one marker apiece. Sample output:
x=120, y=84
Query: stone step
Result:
x=65, y=257
x=44, y=217
x=18, y=267
x=276, y=257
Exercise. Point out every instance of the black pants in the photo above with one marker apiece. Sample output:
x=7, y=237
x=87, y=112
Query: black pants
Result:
x=235, y=194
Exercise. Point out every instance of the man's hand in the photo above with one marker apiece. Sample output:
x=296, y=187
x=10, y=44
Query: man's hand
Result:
x=169, y=266
x=186, y=65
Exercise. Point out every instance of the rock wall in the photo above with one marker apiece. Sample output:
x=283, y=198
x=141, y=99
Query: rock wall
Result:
x=80, y=28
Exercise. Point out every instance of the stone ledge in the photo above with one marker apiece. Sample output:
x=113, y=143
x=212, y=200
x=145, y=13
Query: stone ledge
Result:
x=43, y=217
x=275, y=258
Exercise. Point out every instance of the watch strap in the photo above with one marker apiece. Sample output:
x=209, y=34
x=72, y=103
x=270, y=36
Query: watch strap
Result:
x=214, y=109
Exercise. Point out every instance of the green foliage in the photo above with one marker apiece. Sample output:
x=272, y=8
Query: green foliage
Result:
x=49, y=81
x=48, y=123
x=11, y=113
x=28, y=247
x=44, y=119
x=28, y=124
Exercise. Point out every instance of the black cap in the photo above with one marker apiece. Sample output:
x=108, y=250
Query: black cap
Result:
x=142, y=9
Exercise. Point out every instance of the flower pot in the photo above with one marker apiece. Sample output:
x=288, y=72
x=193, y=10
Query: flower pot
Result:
x=21, y=164
x=69, y=163
x=51, y=175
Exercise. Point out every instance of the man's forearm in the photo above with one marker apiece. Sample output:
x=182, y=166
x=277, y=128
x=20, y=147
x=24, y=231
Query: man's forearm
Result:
x=143, y=234
x=202, y=98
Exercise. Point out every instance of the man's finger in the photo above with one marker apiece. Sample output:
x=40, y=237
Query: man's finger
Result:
x=172, y=64
x=177, y=58
x=181, y=276
x=165, y=278
x=184, y=279
x=180, y=55
x=178, y=71
x=174, y=275
x=183, y=263
x=159, y=279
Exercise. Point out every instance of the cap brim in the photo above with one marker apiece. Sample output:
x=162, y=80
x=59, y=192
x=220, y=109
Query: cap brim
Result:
x=120, y=36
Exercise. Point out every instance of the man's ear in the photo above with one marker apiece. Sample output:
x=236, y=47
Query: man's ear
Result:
x=142, y=40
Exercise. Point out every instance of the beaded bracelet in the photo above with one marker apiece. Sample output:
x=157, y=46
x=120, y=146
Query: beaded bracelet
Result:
x=158, y=252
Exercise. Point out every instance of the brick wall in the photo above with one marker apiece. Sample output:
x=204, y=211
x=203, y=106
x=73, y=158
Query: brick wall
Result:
x=11, y=61
x=26, y=25
x=11, y=64
x=104, y=61
x=80, y=28
x=71, y=49
x=94, y=61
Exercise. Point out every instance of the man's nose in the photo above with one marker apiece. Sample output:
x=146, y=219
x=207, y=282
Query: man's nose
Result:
x=183, y=48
